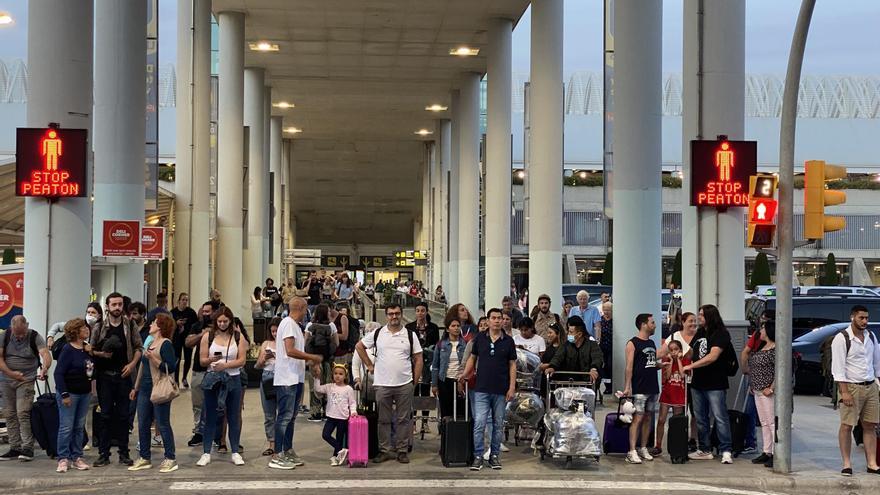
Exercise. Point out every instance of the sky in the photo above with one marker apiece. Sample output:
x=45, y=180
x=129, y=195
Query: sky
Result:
x=843, y=37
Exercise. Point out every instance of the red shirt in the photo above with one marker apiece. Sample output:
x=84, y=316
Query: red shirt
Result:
x=673, y=393
x=754, y=342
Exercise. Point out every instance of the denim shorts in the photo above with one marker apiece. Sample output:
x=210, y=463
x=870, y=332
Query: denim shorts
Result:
x=645, y=403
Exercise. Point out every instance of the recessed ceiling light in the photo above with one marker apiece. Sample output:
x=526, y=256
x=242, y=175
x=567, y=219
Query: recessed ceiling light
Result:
x=436, y=107
x=464, y=51
x=423, y=132
x=263, y=46
x=5, y=19
x=293, y=130
x=283, y=105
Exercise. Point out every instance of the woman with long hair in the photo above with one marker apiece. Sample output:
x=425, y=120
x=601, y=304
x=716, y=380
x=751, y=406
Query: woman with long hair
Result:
x=257, y=300
x=266, y=362
x=762, y=374
x=461, y=313
x=448, y=362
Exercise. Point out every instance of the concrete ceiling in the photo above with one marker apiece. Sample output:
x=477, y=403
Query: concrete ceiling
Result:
x=361, y=73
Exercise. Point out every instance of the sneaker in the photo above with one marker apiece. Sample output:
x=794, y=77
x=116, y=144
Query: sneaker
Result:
x=168, y=466
x=403, y=458
x=342, y=456
x=102, y=461
x=12, y=454
x=281, y=462
x=314, y=418
x=294, y=458
x=761, y=459
x=81, y=465
x=751, y=449
x=504, y=448
x=494, y=462
x=87, y=447
x=699, y=455
x=140, y=464
x=655, y=451
x=157, y=441
x=185, y=383
x=769, y=464
x=204, y=460
x=382, y=457
x=477, y=464
x=645, y=455
x=632, y=457
x=26, y=455
x=62, y=466
x=727, y=458
x=486, y=455
x=125, y=460
x=195, y=441
x=237, y=459
x=334, y=461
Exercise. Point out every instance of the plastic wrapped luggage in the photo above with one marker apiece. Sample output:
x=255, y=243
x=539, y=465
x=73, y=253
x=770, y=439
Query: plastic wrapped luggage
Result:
x=526, y=408
x=566, y=397
x=575, y=434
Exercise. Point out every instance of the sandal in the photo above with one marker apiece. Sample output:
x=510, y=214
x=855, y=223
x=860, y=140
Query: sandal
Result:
x=268, y=452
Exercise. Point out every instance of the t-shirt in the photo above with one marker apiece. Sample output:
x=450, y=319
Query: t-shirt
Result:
x=288, y=370
x=191, y=318
x=166, y=352
x=19, y=356
x=674, y=391
x=713, y=376
x=113, y=341
x=454, y=367
x=535, y=344
x=344, y=291
x=493, y=363
x=394, y=358
x=590, y=316
x=341, y=399
x=644, y=372
x=271, y=293
x=314, y=293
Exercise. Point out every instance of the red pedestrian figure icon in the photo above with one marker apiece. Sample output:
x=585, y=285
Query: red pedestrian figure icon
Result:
x=762, y=211
x=724, y=162
x=52, y=150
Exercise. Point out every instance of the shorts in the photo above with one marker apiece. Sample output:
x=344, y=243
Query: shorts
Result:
x=645, y=403
x=866, y=405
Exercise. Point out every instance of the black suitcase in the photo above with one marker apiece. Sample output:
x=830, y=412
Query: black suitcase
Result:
x=368, y=410
x=457, y=437
x=44, y=421
x=677, y=438
x=738, y=424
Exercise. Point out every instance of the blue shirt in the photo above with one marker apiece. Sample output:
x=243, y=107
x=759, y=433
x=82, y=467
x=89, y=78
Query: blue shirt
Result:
x=493, y=363
x=166, y=352
x=590, y=316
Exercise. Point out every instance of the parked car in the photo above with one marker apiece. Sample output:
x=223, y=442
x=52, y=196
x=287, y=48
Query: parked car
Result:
x=809, y=312
x=819, y=290
x=808, y=356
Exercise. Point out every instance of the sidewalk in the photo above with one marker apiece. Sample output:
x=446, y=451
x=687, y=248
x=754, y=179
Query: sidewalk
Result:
x=816, y=462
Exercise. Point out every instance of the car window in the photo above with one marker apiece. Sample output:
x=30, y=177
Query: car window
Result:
x=664, y=299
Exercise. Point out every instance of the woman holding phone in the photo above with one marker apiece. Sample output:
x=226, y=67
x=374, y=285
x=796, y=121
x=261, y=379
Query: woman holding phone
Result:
x=266, y=362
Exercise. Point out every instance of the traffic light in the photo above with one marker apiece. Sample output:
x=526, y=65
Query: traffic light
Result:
x=762, y=210
x=816, y=198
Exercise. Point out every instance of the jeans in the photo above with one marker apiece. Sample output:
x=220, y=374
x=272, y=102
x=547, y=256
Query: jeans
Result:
x=751, y=413
x=198, y=398
x=146, y=412
x=488, y=407
x=714, y=403
x=316, y=402
x=341, y=428
x=116, y=412
x=395, y=403
x=287, y=398
x=270, y=407
x=72, y=426
x=18, y=399
x=184, y=357
x=232, y=406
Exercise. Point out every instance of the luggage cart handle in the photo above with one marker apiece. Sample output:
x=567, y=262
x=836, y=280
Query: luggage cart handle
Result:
x=455, y=401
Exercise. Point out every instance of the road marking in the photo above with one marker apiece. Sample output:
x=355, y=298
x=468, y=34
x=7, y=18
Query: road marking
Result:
x=362, y=484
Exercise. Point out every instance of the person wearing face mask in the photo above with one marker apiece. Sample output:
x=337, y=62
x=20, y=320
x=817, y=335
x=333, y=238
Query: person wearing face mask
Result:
x=192, y=342
x=578, y=353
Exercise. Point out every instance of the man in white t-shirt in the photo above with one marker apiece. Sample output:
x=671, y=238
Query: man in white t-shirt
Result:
x=290, y=370
x=398, y=360
x=527, y=339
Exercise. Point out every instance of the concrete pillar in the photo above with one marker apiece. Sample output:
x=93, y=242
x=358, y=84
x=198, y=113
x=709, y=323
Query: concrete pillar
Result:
x=452, y=293
x=57, y=236
x=438, y=191
x=545, y=163
x=230, y=141
x=637, y=159
x=191, y=202
x=291, y=190
x=253, y=274
x=120, y=126
x=276, y=168
x=425, y=223
x=713, y=268
x=469, y=192
x=267, y=185
x=498, y=162
x=285, y=206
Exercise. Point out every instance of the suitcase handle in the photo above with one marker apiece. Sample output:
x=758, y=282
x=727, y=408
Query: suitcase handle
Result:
x=48, y=387
x=455, y=402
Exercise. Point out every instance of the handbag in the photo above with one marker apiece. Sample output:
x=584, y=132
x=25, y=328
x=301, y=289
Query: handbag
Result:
x=164, y=387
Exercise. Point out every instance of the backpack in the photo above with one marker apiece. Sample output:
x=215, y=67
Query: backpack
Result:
x=354, y=335
x=825, y=348
x=32, y=339
x=57, y=346
x=729, y=358
x=321, y=342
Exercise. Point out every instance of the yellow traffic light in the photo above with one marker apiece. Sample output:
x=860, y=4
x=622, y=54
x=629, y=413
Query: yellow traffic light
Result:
x=816, y=198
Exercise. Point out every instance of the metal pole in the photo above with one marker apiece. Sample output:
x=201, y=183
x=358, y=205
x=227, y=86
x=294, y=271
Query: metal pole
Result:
x=783, y=403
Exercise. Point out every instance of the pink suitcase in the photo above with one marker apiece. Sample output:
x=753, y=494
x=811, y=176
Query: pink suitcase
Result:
x=358, y=441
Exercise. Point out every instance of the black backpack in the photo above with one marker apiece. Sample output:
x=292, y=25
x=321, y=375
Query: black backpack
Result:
x=321, y=342
x=354, y=334
x=32, y=338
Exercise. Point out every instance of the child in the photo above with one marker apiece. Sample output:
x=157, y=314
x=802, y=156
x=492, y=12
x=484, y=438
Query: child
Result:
x=527, y=339
x=673, y=394
x=341, y=404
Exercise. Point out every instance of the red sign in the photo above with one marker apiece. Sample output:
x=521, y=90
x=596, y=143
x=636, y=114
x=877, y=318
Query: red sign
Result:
x=153, y=243
x=762, y=211
x=50, y=163
x=720, y=172
x=121, y=238
x=11, y=296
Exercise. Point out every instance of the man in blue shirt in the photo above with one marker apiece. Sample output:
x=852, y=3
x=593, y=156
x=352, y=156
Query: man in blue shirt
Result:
x=590, y=314
x=496, y=382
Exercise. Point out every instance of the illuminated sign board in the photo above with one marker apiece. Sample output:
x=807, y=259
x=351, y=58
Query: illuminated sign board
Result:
x=50, y=162
x=121, y=238
x=410, y=258
x=720, y=171
x=153, y=243
x=763, y=211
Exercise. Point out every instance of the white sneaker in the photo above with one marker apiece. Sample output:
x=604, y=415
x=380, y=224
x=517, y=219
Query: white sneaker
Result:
x=633, y=458
x=643, y=453
x=204, y=460
x=237, y=460
x=504, y=448
x=334, y=461
x=342, y=456
x=726, y=458
x=486, y=455
x=700, y=456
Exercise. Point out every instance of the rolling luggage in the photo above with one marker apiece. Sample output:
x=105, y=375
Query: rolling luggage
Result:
x=358, y=441
x=457, y=436
x=739, y=422
x=44, y=421
x=367, y=409
x=677, y=436
x=615, y=436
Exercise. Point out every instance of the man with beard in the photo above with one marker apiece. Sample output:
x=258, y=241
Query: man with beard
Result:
x=641, y=384
x=117, y=349
x=544, y=317
x=192, y=343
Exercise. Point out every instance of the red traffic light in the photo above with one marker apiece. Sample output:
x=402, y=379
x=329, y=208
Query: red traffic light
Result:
x=762, y=211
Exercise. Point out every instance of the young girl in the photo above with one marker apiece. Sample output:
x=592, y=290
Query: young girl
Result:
x=673, y=393
x=341, y=404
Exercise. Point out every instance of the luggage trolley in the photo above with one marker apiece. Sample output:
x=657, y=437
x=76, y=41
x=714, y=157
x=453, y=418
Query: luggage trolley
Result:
x=583, y=398
x=528, y=396
x=423, y=402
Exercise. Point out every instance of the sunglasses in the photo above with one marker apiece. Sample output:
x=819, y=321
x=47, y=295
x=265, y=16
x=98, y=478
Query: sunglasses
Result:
x=491, y=348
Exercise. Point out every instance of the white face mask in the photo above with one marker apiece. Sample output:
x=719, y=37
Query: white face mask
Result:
x=91, y=319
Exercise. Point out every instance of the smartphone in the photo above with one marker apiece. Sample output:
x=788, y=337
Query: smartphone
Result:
x=218, y=353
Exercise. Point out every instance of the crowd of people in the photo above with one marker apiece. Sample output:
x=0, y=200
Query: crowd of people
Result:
x=120, y=364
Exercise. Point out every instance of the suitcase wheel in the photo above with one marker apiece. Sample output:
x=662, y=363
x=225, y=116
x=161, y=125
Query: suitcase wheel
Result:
x=568, y=462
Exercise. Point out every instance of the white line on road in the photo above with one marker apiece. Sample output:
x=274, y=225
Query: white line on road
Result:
x=362, y=484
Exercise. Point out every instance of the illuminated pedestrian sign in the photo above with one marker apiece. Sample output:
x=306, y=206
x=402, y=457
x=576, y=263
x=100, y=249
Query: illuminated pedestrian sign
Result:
x=50, y=162
x=720, y=171
x=763, y=211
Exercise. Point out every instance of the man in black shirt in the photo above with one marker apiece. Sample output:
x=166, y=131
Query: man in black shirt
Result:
x=515, y=314
x=192, y=342
x=117, y=348
x=641, y=384
x=185, y=317
x=313, y=286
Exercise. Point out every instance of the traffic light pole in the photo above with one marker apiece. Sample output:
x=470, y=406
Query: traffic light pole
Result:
x=784, y=268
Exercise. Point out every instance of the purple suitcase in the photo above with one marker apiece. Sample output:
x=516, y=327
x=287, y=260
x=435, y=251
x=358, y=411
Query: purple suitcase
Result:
x=615, y=437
